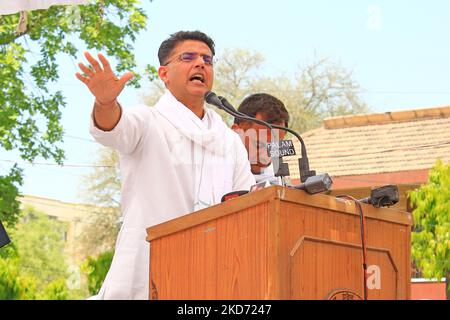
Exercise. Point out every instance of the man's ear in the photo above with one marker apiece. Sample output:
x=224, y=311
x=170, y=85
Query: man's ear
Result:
x=239, y=130
x=162, y=73
x=235, y=127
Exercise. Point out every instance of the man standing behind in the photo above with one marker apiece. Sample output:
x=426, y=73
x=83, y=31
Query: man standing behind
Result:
x=175, y=158
x=255, y=136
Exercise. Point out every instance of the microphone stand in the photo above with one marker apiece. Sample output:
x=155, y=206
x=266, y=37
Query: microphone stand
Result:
x=211, y=98
x=303, y=162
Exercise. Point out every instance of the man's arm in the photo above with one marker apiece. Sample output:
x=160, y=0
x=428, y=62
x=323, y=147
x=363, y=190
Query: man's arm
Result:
x=106, y=87
x=106, y=117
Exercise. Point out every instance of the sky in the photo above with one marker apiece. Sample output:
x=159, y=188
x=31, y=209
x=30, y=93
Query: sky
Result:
x=398, y=51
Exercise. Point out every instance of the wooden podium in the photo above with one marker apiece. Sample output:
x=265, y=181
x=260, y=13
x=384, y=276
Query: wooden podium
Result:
x=280, y=243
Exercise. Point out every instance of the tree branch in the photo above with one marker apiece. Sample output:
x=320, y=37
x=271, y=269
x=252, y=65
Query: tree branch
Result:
x=13, y=38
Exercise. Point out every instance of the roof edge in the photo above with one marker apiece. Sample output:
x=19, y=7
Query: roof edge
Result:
x=386, y=117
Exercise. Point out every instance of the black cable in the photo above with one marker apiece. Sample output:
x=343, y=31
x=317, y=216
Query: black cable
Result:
x=363, y=239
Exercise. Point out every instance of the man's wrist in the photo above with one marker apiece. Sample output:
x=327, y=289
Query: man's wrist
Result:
x=100, y=112
x=108, y=105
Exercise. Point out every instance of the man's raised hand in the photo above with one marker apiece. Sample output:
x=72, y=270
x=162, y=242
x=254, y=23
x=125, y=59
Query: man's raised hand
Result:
x=102, y=82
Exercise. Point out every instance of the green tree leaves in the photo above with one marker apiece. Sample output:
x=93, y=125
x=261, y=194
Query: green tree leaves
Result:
x=13, y=285
x=431, y=241
x=56, y=290
x=30, y=106
x=34, y=266
x=96, y=270
x=41, y=246
x=9, y=192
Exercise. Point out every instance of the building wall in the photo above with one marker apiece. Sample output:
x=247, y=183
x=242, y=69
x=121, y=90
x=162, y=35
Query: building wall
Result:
x=428, y=290
x=364, y=180
x=377, y=179
x=74, y=215
x=76, y=218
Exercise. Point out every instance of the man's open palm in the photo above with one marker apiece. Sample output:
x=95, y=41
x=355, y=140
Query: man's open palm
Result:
x=102, y=82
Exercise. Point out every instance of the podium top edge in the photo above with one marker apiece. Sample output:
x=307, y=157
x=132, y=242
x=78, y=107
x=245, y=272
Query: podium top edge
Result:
x=275, y=193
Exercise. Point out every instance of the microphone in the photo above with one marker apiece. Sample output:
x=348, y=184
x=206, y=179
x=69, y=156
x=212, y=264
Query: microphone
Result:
x=223, y=104
x=382, y=196
x=4, y=239
x=316, y=184
x=212, y=98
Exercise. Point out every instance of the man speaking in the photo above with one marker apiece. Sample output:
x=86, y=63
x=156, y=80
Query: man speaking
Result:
x=175, y=158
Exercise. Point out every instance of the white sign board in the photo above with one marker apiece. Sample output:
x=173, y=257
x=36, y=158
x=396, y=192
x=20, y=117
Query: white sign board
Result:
x=13, y=6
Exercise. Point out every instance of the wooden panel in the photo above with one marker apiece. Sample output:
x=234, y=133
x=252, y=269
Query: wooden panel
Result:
x=407, y=261
x=396, y=239
x=320, y=267
x=302, y=221
x=275, y=269
x=221, y=259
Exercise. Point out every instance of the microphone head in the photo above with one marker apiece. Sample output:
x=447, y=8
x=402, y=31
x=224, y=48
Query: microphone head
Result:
x=319, y=183
x=211, y=98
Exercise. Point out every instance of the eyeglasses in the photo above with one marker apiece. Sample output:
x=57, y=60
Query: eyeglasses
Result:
x=191, y=56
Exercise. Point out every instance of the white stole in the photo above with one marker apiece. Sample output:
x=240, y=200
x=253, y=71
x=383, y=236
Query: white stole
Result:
x=211, y=142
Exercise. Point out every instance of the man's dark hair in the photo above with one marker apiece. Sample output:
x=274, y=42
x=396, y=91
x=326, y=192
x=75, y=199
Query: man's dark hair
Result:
x=167, y=46
x=271, y=109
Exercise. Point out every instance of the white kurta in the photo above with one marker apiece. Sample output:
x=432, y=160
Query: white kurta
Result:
x=172, y=163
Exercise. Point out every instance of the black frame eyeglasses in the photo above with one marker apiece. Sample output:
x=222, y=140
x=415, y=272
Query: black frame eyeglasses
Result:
x=192, y=56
